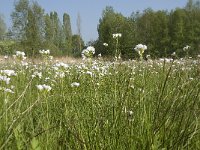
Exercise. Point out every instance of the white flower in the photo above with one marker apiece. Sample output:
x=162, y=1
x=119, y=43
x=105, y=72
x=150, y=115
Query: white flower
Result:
x=105, y=44
x=8, y=72
x=37, y=74
x=43, y=52
x=60, y=65
x=140, y=48
x=88, y=52
x=39, y=87
x=130, y=112
x=116, y=35
x=186, y=47
x=20, y=55
x=59, y=74
x=43, y=87
x=5, y=79
x=89, y=73
x=91, y=49
x=75, y=84
x=47, y=87
x=174, y=54
x=8, y=91
x=5, y=57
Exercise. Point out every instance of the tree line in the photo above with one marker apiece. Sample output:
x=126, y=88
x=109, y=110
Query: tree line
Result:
x=164, y=32
x=33, y=29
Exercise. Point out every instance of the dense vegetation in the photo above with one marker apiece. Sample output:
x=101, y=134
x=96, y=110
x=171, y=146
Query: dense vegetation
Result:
x=164, y=32
x=100, y=105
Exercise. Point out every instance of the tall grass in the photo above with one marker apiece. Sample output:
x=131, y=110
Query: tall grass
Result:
x=118, y=105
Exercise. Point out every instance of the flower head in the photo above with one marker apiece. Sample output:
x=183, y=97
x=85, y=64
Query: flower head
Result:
x=140, y=48
x=75, y=84
x=116, y=35
x=187, y=47
x=105, y=44
x=88, y=52
x=44, y=87
x=43, y=52
x=20, y=55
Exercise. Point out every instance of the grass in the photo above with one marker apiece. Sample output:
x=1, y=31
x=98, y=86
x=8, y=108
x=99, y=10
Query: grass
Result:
x=118, y=105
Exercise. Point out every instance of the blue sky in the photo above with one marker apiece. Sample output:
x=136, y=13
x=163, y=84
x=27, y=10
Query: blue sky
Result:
x=91, y=10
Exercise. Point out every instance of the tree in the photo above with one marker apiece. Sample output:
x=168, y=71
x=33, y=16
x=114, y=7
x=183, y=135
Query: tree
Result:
x=67, y=33
x=111, y=23
x=19, y=19
x=78, y=23
x=75, y=45
x=2, y=27
x=34, y=29
x=48, y=29
x=177, y=29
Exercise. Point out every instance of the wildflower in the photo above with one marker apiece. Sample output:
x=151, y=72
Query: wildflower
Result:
x=173, y=54
x=148, y=56
x=88, y=52
x=8, y=91
x=8, y=72
x=186, y=48
x=75, y=84
x=116, y=35
x=20, y=55
x=59, y=74
x=89, y=73
x=140, y=48
x=5, y=79
x=5, y=57
x=99, y=55
x=105, y=44
x=44, y=87
x=43, y=52
x=37, y=74
x=130, y=112
x=60, y=65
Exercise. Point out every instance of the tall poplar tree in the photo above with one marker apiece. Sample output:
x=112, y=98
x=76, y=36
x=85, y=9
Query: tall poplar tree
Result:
x=2, y=27
x=67, y=33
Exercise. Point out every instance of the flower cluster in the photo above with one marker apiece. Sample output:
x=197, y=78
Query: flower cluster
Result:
x=140, y=48
x=5, y=77
x=105, y=44
x=37, y=74
x=44, y=87
x=20, y=55
x=116, y=35
x=88, y=52
x=43, y=52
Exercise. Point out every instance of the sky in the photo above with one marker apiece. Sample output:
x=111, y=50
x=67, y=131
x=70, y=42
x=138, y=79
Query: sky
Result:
x=91, y=11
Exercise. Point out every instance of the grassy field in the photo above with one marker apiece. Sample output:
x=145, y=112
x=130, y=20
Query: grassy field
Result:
x=100, y=105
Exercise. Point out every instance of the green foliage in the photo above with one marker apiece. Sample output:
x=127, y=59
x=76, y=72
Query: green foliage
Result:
x=163, y=32
x=75, y=45
x=35, y=144
x=67, y=33
x=33, y=29
x=2, y=27
x=7, y=47
x=127, y=105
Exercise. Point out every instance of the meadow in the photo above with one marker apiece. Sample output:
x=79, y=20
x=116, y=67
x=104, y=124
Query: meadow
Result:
x=96, y=104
